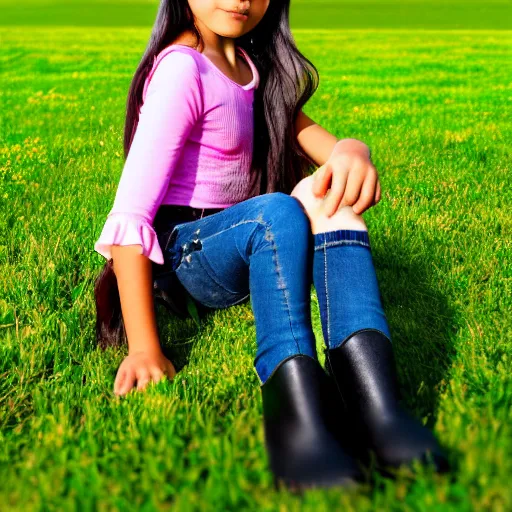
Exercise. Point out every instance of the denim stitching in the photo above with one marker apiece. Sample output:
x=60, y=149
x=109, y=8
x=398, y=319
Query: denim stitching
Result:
x=341, y=242
x=234, y=226
x=281, y=280
x=241, y=300
x=210, y=272
x=210, y=275
x=326, y=293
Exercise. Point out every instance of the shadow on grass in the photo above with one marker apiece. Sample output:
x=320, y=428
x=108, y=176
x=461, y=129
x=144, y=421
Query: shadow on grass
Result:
x=422, y=322
x=179, y=335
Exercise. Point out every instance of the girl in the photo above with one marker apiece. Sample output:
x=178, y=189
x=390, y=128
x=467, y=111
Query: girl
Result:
x=216, y=201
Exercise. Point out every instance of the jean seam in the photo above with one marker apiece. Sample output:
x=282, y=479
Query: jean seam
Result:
x=241, y=300
x=234, y=226
x=340, y=242
x=326, y=294
x=280, y=279
x=210, y=272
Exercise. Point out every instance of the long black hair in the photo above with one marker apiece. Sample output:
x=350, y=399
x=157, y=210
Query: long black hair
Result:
x=287, y=81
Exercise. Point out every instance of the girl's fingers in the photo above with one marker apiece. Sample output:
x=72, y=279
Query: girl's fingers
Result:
x=128, y=377
x=127, y=383
x=143, y=378
x=315, y=188
x=377, y=192
x=170, y=371
x=367, y=194
x=156, y=374
x=322, y=180
x=339, y=181
x=119, y=381
x=353, y=189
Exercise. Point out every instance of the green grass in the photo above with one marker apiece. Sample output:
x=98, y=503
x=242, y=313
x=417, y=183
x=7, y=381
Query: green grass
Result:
x=421, y=14
x=434, y=106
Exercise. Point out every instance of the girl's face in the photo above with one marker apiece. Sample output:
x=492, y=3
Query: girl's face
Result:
x=216, y=15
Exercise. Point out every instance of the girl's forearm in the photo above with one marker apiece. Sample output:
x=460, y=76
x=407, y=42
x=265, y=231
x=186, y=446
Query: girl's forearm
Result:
x=135, y=282
x=319, y=144
x=315, y=140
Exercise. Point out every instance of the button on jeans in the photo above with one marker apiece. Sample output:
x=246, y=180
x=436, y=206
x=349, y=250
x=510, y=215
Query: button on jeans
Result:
x=263, y=249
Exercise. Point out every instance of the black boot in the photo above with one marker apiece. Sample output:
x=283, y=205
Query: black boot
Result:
x=300, y=430
x=364, y=370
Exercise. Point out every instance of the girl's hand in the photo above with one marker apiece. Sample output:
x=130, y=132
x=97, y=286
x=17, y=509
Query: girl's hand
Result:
x=142, y=367
x=352, y=179
x=314, y=209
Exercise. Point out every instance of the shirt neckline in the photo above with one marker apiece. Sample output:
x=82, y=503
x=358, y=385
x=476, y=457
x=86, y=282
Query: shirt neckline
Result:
x=251, y=85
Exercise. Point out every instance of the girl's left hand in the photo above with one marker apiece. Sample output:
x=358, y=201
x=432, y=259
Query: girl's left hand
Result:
x=352, y=179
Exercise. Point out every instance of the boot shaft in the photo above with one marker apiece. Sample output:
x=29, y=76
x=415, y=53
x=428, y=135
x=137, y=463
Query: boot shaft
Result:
x=365, y=371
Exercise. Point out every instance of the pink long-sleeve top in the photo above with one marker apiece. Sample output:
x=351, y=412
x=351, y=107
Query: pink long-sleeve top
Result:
x=193, y=146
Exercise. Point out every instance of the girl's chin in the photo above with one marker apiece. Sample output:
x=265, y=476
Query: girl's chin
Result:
x=231, y=32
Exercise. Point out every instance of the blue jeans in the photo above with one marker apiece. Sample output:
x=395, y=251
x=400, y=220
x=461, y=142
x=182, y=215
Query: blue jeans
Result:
x=263, y=249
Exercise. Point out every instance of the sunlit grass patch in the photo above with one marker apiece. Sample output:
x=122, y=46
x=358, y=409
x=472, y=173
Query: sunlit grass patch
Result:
x=433, y=106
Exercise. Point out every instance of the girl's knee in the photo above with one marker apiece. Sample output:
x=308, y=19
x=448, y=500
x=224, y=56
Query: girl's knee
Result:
x=344, y=218
x=283, y=211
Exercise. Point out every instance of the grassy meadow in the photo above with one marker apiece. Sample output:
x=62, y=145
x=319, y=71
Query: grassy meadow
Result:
x=433, y=102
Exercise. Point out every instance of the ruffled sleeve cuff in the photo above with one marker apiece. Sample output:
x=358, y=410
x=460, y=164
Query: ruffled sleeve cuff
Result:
x=129, y=229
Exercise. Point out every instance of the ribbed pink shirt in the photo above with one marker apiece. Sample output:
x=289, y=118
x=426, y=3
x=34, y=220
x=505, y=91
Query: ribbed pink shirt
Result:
x=193, y=146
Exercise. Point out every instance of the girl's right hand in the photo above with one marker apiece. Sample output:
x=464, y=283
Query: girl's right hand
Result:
x=142, y=367
x=344, y=218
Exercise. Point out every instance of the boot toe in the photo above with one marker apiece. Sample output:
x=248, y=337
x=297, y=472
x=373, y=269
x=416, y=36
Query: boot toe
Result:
x=313, y=472
x=364, y=369
x=303, y=450
x=409, y=441
x=308, y=456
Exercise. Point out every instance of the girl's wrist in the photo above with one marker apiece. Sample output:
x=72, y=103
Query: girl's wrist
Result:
x=352, y=146
x=146, y=345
